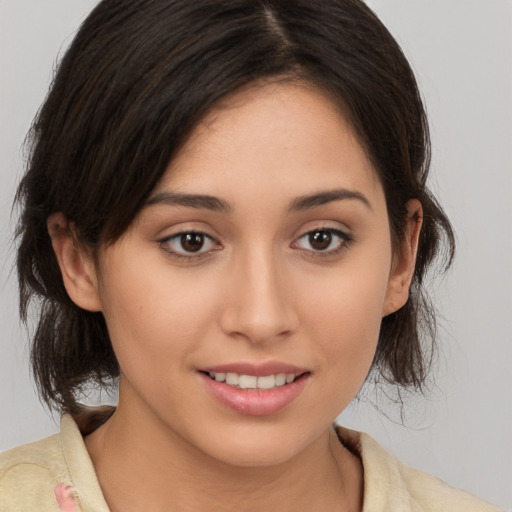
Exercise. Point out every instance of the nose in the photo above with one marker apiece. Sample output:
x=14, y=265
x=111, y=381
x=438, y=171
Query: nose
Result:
x=259, y=302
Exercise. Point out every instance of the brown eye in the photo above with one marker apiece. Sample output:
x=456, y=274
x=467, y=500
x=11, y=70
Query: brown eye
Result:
x=189, y=244
x=320, y=240
x=192, y=242
x=328, y=241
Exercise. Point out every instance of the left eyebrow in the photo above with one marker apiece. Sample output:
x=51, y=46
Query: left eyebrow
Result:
x=328, y=196
x=198, y=201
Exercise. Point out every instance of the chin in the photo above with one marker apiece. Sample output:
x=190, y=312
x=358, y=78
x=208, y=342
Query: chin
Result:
x=252, y=448
x=260, y=456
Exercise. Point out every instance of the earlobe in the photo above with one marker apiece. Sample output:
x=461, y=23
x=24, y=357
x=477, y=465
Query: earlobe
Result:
x=75, y=262
x=404, y=261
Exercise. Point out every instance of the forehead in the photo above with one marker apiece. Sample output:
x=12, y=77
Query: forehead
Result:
x=276, y=137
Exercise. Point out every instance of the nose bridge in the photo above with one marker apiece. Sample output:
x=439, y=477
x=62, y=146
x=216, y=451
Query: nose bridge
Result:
x=259, y=306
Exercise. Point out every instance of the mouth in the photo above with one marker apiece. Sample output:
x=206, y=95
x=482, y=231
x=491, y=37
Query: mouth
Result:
x=262, y=382
x=255, y=390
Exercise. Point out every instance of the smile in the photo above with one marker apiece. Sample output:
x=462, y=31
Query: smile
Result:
x=255, y=390
x=238, y=381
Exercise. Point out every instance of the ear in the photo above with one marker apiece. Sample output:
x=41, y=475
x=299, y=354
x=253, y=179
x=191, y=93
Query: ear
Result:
x=75, y=262
x=404, y=260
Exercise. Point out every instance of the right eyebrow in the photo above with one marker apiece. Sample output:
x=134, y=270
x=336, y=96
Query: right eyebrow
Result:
x=198, y=201
x=328, y=196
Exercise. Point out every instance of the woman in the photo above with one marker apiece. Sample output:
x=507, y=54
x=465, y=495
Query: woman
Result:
x=225, y=210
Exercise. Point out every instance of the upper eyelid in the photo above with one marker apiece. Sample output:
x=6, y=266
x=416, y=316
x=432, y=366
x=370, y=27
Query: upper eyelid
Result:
x=185, y=231
x=163, y=240
x=345, y=232
x=336, y=231
x=326, y=228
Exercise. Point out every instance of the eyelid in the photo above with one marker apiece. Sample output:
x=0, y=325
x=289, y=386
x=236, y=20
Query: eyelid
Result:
x=213, y=244
x=345, y=240
x=164, y=243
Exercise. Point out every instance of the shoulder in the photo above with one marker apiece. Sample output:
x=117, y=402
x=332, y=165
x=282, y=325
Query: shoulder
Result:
x=432, y=494
x=58, y=469
x=392, y=485
x=29, y=475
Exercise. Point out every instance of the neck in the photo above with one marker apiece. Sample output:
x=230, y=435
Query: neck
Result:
x=165, y=472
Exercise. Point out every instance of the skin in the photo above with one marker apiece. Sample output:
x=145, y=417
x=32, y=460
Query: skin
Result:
x=258, y=291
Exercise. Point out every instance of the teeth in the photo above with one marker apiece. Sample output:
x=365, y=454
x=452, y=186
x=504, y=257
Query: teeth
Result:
x=281, y=379
x=253, y=382
x=232, y=379
x=267, y=382
x=247, y=381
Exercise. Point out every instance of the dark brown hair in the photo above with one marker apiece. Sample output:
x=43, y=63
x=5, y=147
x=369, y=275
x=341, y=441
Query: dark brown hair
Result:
x=139, y=75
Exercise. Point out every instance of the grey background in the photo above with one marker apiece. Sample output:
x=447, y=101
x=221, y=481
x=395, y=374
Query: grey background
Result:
x=461, y=51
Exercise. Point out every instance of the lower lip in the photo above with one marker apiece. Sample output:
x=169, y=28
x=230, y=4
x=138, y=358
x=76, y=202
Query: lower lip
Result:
x=256, y=402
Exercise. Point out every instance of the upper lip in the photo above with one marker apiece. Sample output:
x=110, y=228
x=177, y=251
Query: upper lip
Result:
x=255, y=369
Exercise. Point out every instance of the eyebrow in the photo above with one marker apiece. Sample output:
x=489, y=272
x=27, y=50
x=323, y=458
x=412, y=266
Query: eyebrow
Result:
x=320, y=198
x=203, y=201
x=199, y=201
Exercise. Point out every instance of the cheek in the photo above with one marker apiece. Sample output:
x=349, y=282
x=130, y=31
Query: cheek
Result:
x=155, y=314
x=345, y=325
x=343, y=313
x=347, y=328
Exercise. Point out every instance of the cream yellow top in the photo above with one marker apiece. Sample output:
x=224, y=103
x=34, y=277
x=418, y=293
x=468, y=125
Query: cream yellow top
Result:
x=31, y=477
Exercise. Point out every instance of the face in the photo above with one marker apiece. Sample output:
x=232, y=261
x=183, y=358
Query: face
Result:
x=245, y=300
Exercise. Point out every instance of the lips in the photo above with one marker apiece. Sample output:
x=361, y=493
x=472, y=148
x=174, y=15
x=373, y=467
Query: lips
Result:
x=255, y=389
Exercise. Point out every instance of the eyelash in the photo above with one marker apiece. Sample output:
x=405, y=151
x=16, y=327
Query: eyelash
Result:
x=186, y=256
x=343, y=244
